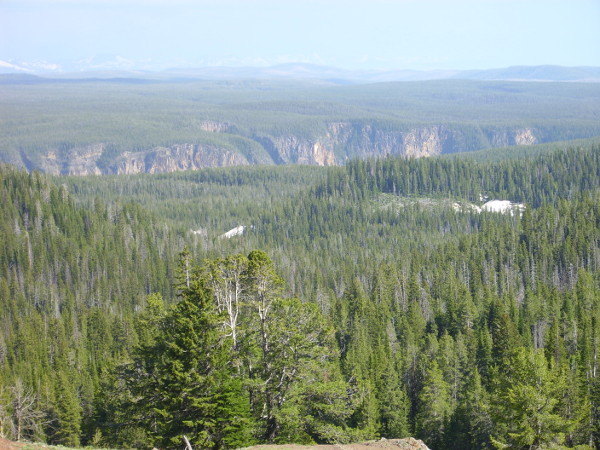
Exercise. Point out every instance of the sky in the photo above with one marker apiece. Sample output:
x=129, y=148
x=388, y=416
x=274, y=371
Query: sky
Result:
x=348, y=34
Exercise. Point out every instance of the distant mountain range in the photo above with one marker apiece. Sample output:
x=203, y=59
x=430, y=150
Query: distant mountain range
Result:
x=117, y=67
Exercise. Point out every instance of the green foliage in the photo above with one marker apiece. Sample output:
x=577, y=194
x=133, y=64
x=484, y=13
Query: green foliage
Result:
x=44, y=123
x=536, y=181
x=68, y=414
x=180, y=382
x=526, y=403
x=434, y=407
x=471, y=423
x=359, y=319
x=71, y=280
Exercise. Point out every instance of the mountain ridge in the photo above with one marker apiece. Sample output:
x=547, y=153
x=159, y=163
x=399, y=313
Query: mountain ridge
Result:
x=303, y=71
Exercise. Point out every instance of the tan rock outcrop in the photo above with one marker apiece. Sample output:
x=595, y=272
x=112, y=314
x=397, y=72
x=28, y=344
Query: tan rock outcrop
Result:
x=83, y=161
x=215, y=127
x=294, y=150
x=422, y=142
x=176, y=158
x=339, y=141
x=525, y=137
x=76, y=161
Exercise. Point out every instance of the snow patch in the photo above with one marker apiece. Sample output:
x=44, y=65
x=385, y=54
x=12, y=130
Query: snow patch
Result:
x=29, y=67
x=237, y=231
x=42, y=66
x=7, y=65
x=497, y=206
x=504, y=207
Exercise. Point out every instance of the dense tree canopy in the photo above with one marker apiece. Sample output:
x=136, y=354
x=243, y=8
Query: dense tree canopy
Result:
x=375, y=309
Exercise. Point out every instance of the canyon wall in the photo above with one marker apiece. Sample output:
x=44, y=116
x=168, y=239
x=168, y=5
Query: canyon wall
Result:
x=339, y=142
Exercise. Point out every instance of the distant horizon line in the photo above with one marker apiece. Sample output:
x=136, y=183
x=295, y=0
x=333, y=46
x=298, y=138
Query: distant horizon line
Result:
x=307, y=72
x=43, y=67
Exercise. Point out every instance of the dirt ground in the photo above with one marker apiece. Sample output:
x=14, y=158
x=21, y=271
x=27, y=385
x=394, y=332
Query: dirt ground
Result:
x=390, y=444
x=8, y=445
x=396, y=444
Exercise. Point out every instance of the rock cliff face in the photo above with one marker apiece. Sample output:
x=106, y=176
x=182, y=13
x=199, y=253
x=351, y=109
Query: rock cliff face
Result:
x=215, y=127
x=294, y=150
x=344, y=140
x=523, y=136
x=76, y=161
x=367, y=140
x=355, y=139
x=338, y=142
x=85, y=160
x=176, y=158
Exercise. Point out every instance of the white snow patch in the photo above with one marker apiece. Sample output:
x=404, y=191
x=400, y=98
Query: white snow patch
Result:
x=30, y=67
x=237, y=231
x=497, y=206
x=503, y=206
x=42, y=66
x=7, y=65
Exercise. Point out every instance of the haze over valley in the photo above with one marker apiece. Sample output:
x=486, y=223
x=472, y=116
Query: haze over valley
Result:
x=84, y=126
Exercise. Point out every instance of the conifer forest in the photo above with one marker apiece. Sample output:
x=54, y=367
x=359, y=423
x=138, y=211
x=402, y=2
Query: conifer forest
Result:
x=381, y=298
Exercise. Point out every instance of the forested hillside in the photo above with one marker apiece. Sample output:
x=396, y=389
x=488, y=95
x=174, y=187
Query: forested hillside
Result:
x=361, y=304
x=128, y=126
x=71, y=281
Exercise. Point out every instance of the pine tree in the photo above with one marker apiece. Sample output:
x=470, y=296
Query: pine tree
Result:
x=394, y=406
x=68, y=413
x=526, y=403
x=471, y=423
x=434, y=407
x=180, y=384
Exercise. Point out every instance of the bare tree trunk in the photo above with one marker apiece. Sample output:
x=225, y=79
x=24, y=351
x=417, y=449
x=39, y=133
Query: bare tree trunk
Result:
x=25, y=414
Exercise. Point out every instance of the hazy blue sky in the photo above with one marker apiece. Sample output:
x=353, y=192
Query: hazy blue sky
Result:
x=354, y=34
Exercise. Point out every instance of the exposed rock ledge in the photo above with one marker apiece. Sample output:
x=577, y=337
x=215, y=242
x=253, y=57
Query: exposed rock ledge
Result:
x=175, y=158
x=402, y=444
x=339, y=142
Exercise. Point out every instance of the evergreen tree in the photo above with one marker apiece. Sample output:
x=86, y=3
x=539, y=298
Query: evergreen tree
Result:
x=527, y=403
x=471, y=423
x=67, y=409
x=180, y=384
x=434, y=407
x=395, y=406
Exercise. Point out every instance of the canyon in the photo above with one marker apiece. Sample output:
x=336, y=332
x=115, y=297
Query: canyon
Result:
x=340, y=141
x=128, y=126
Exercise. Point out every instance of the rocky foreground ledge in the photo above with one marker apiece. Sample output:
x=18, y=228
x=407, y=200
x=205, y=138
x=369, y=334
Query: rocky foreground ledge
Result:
x=403, y=444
